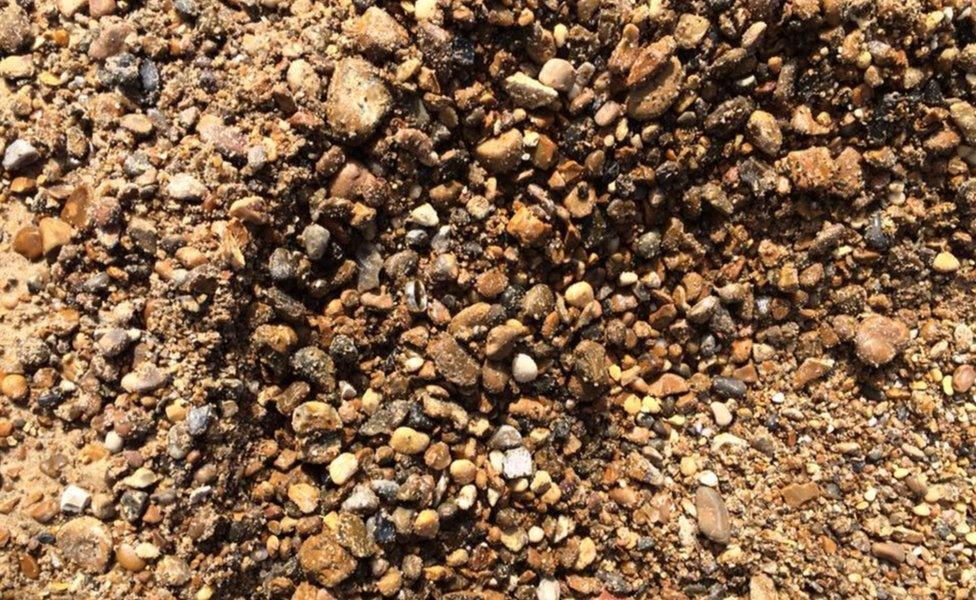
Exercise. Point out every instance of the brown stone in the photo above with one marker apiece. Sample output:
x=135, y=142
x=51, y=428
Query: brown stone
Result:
x=27, y=243
x=86, y=543
x=879, y=339
x=798, y=494
x=811, y=170
x=669, y=384
x=502, y=153
x=713, y=516
x=358, y=100
x=325, y=560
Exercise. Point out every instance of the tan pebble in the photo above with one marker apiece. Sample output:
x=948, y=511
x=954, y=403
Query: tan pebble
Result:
x=945, y=262
x=14, y=386
x=409, y=441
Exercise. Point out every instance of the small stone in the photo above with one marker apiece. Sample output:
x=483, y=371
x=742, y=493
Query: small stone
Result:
x=354, y=536
x=579, y=294
x=424, y=215
x=316, y=238
x=305, y=497
x=879, y=340
x=669, y=384
x=558, y=73
x=409, y=441
x=19, y=154
x=358, y=100
x=713, y=516
x=963, y=378
x=379, y=34
x=144, y=379
x=964, y=116
x=764, y=132
x=343, y=467
x=502, y=153
x=15, y=30
x=650, y=60
x=811, y=170
x=761, y=587
x=74, y=499
x=126, y=557
x=945, y=262
x=505, y=438
x=185, y=188
x=27, y=242
x=548, y=589
x=172, y=572
x=527, y=227
x=721, y=414
x=315, y=416
x=798, y=494
x=729, y=387
x=453, y=362
x=517, y=463
x=86, y=543
x=426, y=524
x=690, y=30
x=524, y=368
x=529, y=93
x=889, y=551
x=653, y=98
x=17, y=67
x=54, y=233
x=101, y=8
x=324, y=559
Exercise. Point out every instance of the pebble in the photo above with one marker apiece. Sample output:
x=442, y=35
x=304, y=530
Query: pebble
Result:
x=517, y=463
x=305, y=497
x=19, y=154
x=85, y=543
x=879, y=339
x=144, y=379
x=579, y=294
x=185, y=188
x=358, y=100
x=713, y=516
x=324, y=559
x=528, y=92
x=502, y=153
x=651, y=99
x=172, y=572
x=690, y=30
x=524, y=368
x=764, y=132
x=74, y=499
x=406, y=440
x=558, y=74
x=453, y=362
x=721, y=414
x=945, y=262
x=343, y=467
x=890, y=551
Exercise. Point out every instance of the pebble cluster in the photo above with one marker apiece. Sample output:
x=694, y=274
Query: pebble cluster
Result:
x=479, y=300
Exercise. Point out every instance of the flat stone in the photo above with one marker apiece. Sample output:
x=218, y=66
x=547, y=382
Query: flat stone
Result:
x=502, y=153
x=315, y=416
x=144, y=379
x=409, y=441
x=529, y=93
x=650, y=60
x=19, y=154
x=798, y=494
x=669, y=384
x=74, y=499
x=453, y=362
x=358, y=100
x=879, y=340
x=811, y=169
x=690, y=30
x=379, y=34
x=86, y=543
x=713, y=516
x=651, y=99
x=889, y=551
x=325, y=560
x=558, y=73
x=517, y=463
x=185, y=188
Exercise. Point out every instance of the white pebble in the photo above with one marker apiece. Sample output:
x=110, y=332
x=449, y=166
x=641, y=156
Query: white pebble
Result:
x=524, y=368
x=74, y=499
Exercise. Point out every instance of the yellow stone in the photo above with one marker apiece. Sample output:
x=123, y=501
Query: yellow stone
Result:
x=945, y=262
